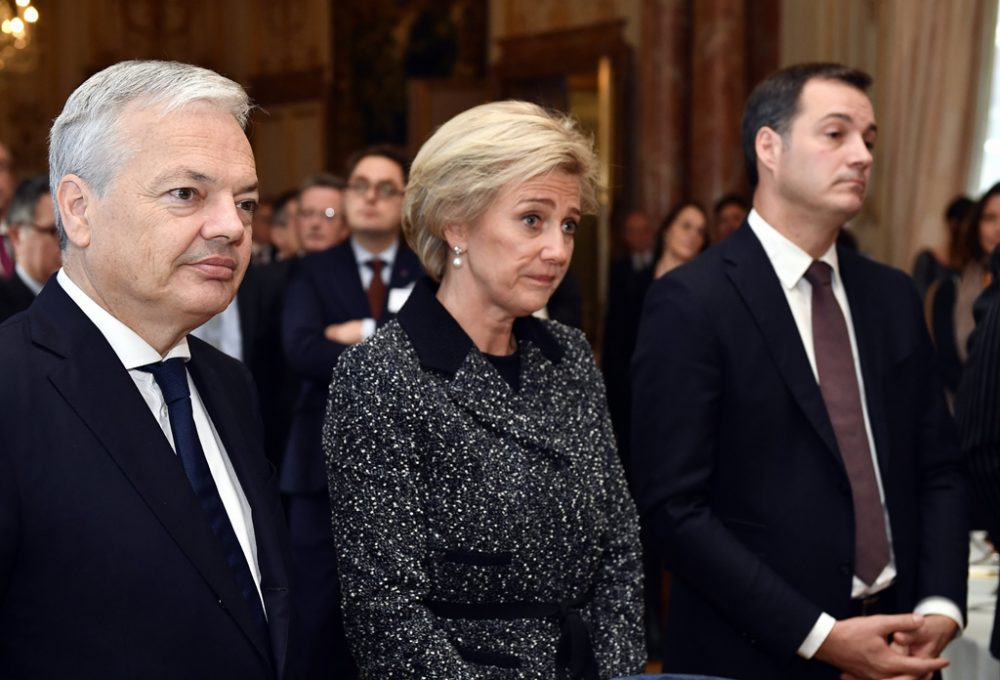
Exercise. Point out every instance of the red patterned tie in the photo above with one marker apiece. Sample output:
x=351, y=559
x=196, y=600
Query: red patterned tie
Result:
x=838, y=383
x=376, y=289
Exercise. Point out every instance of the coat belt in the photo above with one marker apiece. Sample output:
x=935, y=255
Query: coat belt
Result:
x=574, y=654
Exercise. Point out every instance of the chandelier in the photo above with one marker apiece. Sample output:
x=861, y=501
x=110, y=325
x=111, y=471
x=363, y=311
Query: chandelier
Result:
x=17, y=22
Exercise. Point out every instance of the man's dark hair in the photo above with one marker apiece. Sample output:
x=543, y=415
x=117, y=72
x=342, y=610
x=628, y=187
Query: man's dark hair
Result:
x=393, y=153
x=730, y=199
x=22, y=205
x=281, y=201
x=775, y=102
x=323, y=179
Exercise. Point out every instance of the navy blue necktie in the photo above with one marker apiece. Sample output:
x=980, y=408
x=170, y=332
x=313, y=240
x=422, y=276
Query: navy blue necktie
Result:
x=171, y=376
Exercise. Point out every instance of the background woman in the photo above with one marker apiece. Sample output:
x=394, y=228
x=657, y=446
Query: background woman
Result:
x=483, y=525
x=683, y=234
x=949, y=302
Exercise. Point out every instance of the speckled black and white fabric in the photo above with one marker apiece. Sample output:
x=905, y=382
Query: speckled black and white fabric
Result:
x=449, y=486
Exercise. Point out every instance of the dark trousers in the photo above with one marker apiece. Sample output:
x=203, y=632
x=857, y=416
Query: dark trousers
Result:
x=327, y=655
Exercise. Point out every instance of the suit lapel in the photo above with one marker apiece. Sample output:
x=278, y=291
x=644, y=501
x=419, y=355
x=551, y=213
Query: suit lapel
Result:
x=867, y=320
x=233, y=429
x=97, y=387
x=756, y=283
x=346, y=282
x=405, y=269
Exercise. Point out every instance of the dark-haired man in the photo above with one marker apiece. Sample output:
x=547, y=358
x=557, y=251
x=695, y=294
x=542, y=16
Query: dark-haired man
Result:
x=728, y=213
x=793, y=454
x=33, y=234
x=335, y=299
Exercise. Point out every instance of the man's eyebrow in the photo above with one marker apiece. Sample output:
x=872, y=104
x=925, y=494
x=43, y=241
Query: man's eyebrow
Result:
x=197, y=177
x=847, y=118
x=184, y=174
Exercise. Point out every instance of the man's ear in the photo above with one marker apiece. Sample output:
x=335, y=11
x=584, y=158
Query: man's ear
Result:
x=73, y=198
x=768, y=145
x=14, y=232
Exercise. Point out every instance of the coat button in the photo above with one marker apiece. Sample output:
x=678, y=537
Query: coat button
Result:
x=846, y=569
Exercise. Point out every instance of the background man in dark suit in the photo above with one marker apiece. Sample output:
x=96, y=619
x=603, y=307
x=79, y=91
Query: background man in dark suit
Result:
x=793, y=455
x=977, y=407
x=319, y=219
x=32, y=227
x=335, y=299
x=140, y=532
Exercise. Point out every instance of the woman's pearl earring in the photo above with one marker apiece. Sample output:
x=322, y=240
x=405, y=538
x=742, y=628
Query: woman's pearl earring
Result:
x=457, y=260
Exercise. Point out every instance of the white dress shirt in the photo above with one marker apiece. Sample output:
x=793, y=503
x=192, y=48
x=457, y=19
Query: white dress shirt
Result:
x=363, y=257
x=34, y=286
x=790, y=264
x=134, y=352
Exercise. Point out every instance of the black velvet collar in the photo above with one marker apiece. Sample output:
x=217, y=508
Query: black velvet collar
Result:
x=440, y=342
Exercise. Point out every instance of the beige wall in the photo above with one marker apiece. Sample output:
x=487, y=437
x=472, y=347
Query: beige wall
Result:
x=240, y=39
x=521, y=17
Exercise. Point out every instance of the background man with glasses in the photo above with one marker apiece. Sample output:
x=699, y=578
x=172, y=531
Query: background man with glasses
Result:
x=32, y=228
x=319, y=221
x=336, y=298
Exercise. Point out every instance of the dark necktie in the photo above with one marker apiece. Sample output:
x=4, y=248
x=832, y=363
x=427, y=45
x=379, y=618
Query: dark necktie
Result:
x=172, y=379
x=376, y=289
x=838, y=383
x=6, y=261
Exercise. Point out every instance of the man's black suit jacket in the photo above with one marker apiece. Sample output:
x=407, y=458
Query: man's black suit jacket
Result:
x=977, y=409
x=259, y=302
x=737, y=472
x=324, y=288
x=14, y=297
x=626, y=290
x=108, y=565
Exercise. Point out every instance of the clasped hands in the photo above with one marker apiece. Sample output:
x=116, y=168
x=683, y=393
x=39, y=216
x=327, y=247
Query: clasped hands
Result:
x=892, y=647
x=347, y=333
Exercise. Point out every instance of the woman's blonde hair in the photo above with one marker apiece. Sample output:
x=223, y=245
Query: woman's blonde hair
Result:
x=461, y=169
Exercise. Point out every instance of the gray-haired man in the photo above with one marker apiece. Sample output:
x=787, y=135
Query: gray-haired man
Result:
x=140, y=531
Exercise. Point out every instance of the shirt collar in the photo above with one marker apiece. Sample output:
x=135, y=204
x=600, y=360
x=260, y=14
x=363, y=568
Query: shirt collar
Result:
x=131, y=349
x=26, y=279
x=789, y=261
x=362, y=256
x=439, y=340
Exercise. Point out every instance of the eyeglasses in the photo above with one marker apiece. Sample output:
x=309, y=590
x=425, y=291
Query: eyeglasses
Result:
x=45, y=231
x=383, y=190
x=324, y=214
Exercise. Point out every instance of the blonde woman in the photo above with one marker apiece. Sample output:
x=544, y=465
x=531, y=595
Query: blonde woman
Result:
x=482, y=520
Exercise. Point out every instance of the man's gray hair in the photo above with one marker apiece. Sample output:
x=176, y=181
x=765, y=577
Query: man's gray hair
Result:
x=84, y=138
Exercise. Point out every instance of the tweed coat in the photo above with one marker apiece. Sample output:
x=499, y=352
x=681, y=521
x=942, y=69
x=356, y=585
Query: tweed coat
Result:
x=481, y=532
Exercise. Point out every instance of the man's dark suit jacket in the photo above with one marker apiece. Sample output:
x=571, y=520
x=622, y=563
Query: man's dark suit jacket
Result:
x=14, y=297
x=626, y=290
x=977, y=409
x=324, y=288
x=737, y=473
x=259, y=302
x=108, y=565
